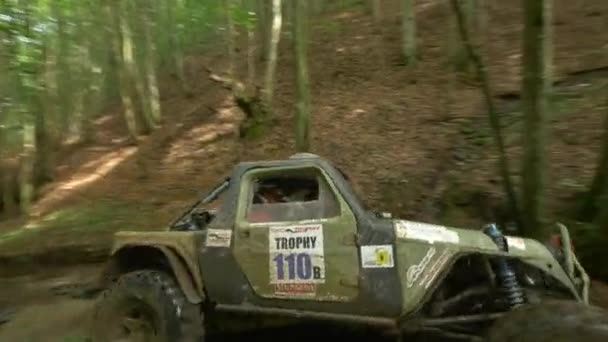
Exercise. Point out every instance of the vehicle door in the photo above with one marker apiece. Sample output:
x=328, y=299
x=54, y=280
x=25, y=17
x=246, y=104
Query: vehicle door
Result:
x=295, y=236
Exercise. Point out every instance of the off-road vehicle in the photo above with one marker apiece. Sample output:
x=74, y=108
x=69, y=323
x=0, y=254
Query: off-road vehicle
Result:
x=289, y=241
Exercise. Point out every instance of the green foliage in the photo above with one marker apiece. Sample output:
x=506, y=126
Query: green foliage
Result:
x=59, y=66
x=243, y=17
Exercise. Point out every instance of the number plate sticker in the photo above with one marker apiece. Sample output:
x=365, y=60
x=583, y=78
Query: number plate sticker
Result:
x=296, y=257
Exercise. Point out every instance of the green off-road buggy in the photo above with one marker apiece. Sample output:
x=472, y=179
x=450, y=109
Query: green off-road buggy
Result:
x=288, y=242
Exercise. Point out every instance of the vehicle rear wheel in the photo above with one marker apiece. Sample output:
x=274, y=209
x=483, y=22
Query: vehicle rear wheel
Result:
x=555, y=321
x=146, y=306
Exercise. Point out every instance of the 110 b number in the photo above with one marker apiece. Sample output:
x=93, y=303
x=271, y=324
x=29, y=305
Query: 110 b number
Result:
x=298, y=265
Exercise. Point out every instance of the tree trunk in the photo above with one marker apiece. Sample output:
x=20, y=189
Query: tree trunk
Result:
x=133, y=70
x=263, y=32
x=49, y=125
x=26, y=173
x=592, y=201
x=175, y=48
x=251, y=70
x=230, y=38
x=408, y=48
x=503, y=162
x=150, y=66
x=273, y=52
x=63, y=73
x=128, y=102
x=458, y=51
x=598, y=194
x=300, y=15
x=548, y=50
x=534, y=106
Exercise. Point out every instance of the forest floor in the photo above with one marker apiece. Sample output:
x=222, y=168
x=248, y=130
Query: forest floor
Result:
x=415, y=141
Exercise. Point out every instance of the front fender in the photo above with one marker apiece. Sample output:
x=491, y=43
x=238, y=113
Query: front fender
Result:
x=426, y=253
x=179, y=249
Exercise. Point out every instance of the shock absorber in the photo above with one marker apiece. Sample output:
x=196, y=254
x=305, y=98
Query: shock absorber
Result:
x=504, y=271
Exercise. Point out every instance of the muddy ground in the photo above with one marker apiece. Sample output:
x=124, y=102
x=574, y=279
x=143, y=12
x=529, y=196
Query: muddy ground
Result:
x=55, y=306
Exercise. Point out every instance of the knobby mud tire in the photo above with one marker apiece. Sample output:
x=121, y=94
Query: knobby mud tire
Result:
x=552, y=321
x=174, y=318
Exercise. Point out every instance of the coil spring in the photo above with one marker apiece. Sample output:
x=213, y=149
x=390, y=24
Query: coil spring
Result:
x=504, y=271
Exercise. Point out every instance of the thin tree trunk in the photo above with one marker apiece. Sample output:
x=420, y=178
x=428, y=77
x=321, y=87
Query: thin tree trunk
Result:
x=85, y=73
x=28, y=125
x=175, y=48
x=26, y=172
x=534, y=105
x=503, y=162
x=9, y=205
x=408, y=48
x=98, y=70
x=300, y=16
x=49, y=125
x=263, y=32
x=230, y=38
x=251, y=48
x=548, y=50
x=458, y=51
x=63, y=73
x=273, y=52
x=598, y=194
x=124, y=81
x=150, y=67
x=592, y=201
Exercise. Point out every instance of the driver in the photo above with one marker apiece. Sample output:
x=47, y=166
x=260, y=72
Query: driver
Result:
x=266, y=194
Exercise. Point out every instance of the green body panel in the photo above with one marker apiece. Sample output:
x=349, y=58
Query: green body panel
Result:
x=423, y=263
x=235, y=263
x=339, y=256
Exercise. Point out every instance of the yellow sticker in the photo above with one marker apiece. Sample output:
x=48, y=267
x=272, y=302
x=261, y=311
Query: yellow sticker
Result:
x=382, y=257
x=377, y=256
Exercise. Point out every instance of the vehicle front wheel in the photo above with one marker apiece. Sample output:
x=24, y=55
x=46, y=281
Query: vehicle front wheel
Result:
x=554, y=321
x=148, y=306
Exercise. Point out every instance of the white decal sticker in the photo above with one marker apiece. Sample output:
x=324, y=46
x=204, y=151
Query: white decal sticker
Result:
x=297, y=259
x=219, y=237
x=516, y=242
x=425, y=232
x=435, y=269
x=414, y=271
x=377, y=256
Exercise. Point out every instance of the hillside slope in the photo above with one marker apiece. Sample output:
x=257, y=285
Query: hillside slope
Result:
x=415, y=141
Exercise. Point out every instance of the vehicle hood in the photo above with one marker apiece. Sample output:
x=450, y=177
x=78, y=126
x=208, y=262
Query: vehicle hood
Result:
x=468, y=240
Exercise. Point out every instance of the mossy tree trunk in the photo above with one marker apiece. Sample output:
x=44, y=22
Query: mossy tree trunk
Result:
x=458, y=51
x=300, y=33
x=534, y=171
x=273, y=52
